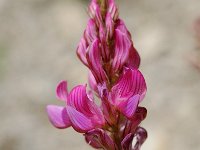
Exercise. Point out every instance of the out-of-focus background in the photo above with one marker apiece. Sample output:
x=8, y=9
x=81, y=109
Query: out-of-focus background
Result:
x=38, y=39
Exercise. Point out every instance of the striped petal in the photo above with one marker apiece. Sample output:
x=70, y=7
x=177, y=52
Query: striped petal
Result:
x=58, y=116
x=128, y=107
x=90, y=33
x=61, y=91
x=79, y=121
x=122, y=47
x=94, y=61
x=81, y=51
x=131, y=83
x=134, y=59
x=83, y=103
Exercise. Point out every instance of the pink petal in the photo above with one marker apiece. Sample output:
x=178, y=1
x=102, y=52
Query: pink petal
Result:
x=79, y=121
x=122, y=47
x=113, y=10
x=94, y=12
x=99, y=139
x=131, y=83
x=81, y=51
x=105, y=52
x=137, y=118
x=90, y=33
x=92, y=82
x=134, y=59
x=120, y=25
x=109, y=26
x=61, y=91
x=94, y=61
x=58, y=116
x=79, y=100
x=128, y=107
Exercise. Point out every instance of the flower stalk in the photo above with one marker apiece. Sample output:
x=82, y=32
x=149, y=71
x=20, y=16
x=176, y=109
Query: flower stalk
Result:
x=107, y=49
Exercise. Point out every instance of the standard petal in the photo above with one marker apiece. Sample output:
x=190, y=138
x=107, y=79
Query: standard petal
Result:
x=127, y=142
x=94, y=61
x=78, y=99
x=90, y=33
x=92, y=82
x=113, y=10
x=81, y=51
x=83, y=103
x=58, y=116
x=131, y=83
x=94, y=12
x=79, y=121
x=120, y=25
x=134, y=59
x=98, y=138
x=61, y=91
x=128, y=107
x=122, y=47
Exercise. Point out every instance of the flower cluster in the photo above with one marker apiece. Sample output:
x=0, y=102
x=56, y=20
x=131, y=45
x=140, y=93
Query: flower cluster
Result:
x=106, y=48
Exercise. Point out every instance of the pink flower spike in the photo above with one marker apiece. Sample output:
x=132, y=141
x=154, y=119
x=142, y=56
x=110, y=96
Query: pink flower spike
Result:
x=122, y=47
x=128, y=107
x=61, y=91
x=79, y=121
x=58, y=116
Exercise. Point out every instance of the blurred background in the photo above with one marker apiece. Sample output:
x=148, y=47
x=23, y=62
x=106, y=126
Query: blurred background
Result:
x=38, y=39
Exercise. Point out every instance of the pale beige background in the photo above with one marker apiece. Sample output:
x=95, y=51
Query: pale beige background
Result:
x=38, y=39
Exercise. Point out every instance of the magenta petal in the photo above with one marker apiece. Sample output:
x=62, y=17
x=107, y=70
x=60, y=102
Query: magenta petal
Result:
x=61, y=91
x=122, y=47
x=137, y=118
x=83, y=103
x=81, y=51
x=94, y=12
x=78, y=99
x=94, y=61
x=128, y=107
x=109, y=26
x=120, y=25
x=113, y=10
x=127, y=142
x=131, y=83
x=58, y=116
x=90, y=33
x=79, y=121
x=134, y=59
x=99, y=139
x=92, y=82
